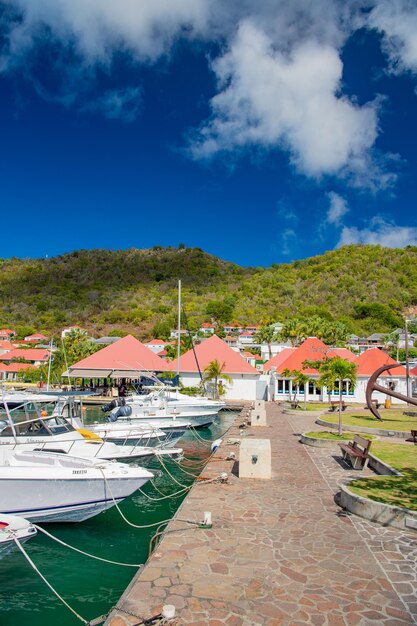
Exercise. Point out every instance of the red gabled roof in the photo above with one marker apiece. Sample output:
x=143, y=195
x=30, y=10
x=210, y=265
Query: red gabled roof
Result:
x=156, y=342
x=206, y=325
x=31, y=354
x=127, y=353
x=6, y=345
x=6, y=331
x=35, y=337
x=413, y=372
x=312, y=349
x=372, y=359
x=278, y=359
x=16, y=367
x=344, y=353
x=212, y=349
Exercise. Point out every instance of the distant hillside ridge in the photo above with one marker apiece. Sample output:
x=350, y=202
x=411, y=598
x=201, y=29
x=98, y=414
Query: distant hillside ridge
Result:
x=104, y=291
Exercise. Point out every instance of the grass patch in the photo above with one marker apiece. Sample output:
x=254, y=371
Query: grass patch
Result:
x=398, y=491
x=333, y=436
x=393, y=419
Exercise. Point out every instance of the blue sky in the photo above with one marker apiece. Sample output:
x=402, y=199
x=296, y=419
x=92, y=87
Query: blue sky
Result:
x=260, y=132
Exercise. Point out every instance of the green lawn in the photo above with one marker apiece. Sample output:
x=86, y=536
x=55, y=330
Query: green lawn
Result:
x=392, y=419
x=333, y=436
x=395, y=490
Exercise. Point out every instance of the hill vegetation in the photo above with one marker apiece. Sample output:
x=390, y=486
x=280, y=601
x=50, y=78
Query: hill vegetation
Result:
x=115, y=292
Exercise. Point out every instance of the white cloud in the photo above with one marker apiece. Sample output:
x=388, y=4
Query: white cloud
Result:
x=96, y=28
x=288, y=236
x=289, y=101
x=381, y=231
x=337, y=209
x=279, y=75
x=397, y=21
x=123, y=104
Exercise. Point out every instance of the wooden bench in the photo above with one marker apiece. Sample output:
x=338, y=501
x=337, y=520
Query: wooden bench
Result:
x=413, y=437
x=334, y=405
x=357, y=451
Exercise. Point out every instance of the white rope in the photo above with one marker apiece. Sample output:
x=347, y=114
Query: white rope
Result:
x=120, y=511
x=27, y=557
x=164, y=497
x=92, y=556
x=169, y=473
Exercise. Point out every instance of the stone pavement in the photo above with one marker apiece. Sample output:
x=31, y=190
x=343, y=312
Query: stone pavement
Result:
x=281, y=552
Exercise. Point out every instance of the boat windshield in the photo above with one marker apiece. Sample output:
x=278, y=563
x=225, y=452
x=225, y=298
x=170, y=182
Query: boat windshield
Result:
x=40, y=427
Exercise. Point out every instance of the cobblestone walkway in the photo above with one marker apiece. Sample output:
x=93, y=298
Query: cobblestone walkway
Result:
x=280, y=553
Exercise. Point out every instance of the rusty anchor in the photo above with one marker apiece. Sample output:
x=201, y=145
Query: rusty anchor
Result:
x=374, y=386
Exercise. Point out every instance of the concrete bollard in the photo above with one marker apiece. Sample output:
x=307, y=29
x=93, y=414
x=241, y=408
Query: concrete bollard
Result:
x=255, y=459
x=258, y=417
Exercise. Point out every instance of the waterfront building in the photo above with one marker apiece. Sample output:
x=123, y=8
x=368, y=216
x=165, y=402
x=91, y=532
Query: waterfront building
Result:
x=246, y=380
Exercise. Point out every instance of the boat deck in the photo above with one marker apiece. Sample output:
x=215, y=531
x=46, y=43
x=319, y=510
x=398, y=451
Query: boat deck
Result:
x=280, y=552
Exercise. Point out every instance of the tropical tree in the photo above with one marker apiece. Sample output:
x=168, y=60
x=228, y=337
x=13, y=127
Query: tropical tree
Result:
x=294, y=331
x=214, y=372
x=333, y=372
x=266, y=334
x=298, y=379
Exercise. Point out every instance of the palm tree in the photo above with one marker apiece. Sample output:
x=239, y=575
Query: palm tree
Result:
x=298, y=378
x=214, y=372
x=337, y=370
x=266, y=334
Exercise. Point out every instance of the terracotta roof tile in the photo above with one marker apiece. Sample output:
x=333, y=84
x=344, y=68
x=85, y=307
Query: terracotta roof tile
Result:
x=371, y=359
x=127, y=353
x=212, y=349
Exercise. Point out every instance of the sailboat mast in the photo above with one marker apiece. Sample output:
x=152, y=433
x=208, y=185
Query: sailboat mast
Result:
x=179, y=332
x=49, y=364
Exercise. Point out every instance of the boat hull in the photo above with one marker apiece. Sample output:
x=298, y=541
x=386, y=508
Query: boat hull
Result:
x=66, y=494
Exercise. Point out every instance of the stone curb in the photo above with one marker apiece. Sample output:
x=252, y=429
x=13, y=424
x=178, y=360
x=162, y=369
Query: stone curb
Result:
x=371, y=431
x=384, y=514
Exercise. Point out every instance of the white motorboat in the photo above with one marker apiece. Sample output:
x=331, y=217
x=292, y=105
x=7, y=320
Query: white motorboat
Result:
x=13, y=527
x=171, y=398
x=54, y=433
x=135, y=434
x=52, y=487
x=124, y=411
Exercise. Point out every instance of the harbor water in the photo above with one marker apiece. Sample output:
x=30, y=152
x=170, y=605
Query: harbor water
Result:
x=92, y=587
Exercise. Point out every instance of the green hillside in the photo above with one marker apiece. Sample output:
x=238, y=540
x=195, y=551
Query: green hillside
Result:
x=104, y=291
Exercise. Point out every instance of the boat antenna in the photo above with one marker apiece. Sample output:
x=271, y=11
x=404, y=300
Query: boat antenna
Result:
x=192, y=344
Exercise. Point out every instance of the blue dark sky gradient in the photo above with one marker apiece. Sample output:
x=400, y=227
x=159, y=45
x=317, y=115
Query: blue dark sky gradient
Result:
x=73, y=178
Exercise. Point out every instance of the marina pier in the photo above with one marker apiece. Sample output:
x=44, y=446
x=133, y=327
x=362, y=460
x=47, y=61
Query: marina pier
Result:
x=280, y=551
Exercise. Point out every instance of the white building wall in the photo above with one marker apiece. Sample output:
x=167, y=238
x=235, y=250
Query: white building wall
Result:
x=243, y=387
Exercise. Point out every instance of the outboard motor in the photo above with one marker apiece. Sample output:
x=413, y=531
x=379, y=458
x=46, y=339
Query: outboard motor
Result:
x=113, y=404
x=119, y=411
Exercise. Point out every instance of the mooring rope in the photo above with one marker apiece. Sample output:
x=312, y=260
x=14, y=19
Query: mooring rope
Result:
x=92, y=556
x=48, y=584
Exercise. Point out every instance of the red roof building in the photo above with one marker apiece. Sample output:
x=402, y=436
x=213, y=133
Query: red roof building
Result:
x=372, y=359
x=125, y=358
x=32, y=355
x=277, y=360
x=212, y=349
x=5, y=346
x=36, y=338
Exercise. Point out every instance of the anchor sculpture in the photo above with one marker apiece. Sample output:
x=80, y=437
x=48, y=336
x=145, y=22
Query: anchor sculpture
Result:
x=373, y=386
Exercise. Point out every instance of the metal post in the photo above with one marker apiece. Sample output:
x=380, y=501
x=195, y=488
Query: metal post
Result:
x=407, y=364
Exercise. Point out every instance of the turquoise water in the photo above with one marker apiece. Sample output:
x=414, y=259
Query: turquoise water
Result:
x=91, y=587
